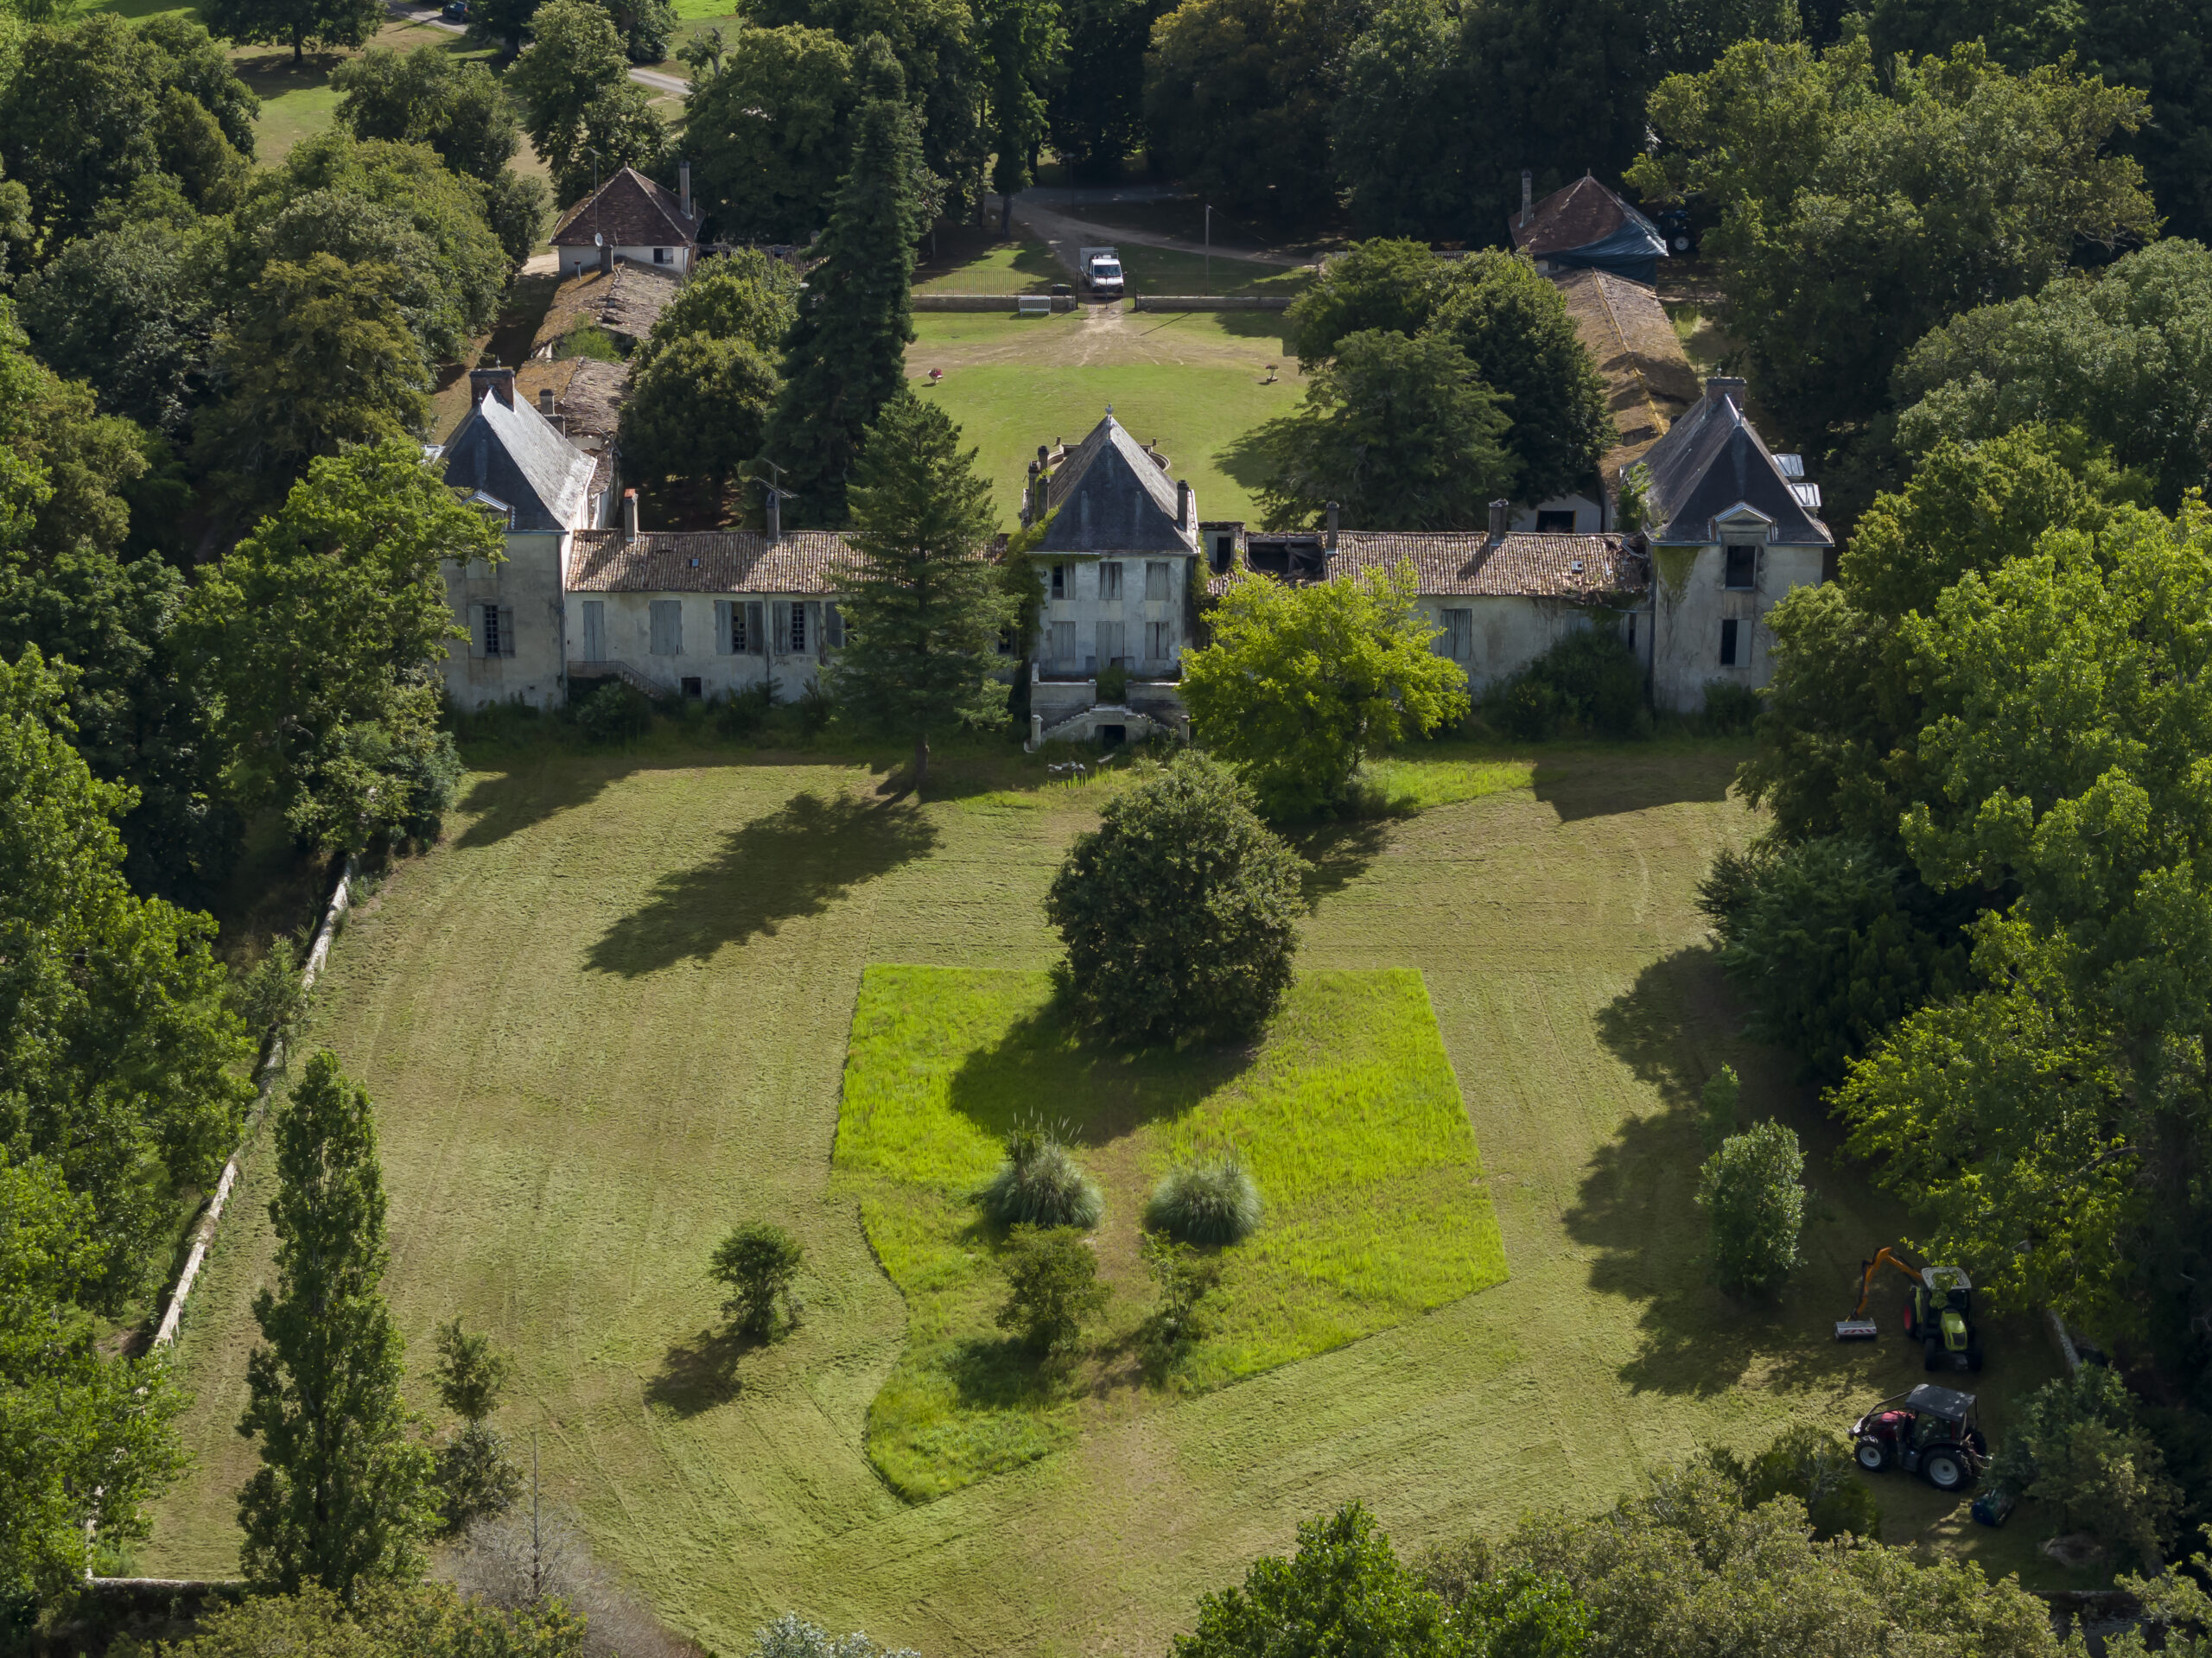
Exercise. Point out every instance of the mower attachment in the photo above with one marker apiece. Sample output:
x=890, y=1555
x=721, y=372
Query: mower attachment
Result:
x=1856, y=1329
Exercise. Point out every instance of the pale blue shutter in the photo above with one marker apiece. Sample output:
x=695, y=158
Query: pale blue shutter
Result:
x=721, y=627
x=756, y=631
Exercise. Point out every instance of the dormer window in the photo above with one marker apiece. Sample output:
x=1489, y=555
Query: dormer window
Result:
x=1743, y=568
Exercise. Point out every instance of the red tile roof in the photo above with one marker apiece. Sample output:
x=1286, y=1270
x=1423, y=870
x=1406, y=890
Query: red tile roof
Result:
x=1573, y=217
x=1454, y=564
x=631, y=211
x=714, y=561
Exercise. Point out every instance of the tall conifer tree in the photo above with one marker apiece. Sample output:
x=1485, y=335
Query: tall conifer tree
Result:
x=342, y=1493
x=846, y=353
x=923, y=609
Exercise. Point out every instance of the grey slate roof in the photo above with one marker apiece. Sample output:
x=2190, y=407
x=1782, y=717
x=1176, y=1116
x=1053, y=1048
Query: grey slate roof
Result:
x=1712, y=459
x=516, y=456
x=1111, y=497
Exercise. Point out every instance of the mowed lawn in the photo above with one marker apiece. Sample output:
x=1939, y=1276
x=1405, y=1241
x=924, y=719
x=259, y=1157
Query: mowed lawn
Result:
x=607, y=1017
x=1344, y=1112
x=1196, y=384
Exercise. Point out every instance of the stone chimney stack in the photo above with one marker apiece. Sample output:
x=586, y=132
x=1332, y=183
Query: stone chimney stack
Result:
x=1182, y=503
x=545, y=401
x=1727, y=385
x=1527, y=194
x=500, y=382
x=1501, y=520
x=684, y=178
x=1029, y=495
x=1331, y=541
x=775, y=514
x=629, y=515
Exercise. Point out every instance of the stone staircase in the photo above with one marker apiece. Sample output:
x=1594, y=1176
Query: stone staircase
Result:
x=621, y=671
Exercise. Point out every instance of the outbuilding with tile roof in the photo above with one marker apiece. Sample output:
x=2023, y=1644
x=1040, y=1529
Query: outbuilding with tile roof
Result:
x=629, y=217
x=1586, y=226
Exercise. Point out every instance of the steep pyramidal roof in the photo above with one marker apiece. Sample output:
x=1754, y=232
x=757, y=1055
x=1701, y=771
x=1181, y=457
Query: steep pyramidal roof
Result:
x=1713, y=460
x=629, y=211
x=1586, y=223
x=1111, y=497
x=518, y=458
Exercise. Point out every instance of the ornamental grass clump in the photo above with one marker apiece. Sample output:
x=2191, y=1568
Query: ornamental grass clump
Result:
x=1206, y=1202
x=1040, y=1183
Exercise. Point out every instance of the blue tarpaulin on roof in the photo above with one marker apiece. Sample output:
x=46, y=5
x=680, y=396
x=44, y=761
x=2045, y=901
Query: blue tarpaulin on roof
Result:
x=1634, y=250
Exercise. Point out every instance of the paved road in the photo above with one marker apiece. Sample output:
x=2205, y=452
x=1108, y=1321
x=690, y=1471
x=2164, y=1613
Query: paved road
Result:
x=430, y=17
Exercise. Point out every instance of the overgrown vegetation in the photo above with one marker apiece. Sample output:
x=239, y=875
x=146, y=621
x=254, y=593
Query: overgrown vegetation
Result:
x=1752, y=1189
x=1587, y=683
x=1040, y=1183
x=1206, y=1202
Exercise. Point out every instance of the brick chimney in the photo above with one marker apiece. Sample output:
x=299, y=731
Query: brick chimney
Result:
x=1501, y=520
x=1182, y=503
x=683, y=176
x=629, y=515
x=1331, y=541
x=500, y=382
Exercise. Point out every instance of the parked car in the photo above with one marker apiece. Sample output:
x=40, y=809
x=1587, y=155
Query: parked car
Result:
x=456, y=11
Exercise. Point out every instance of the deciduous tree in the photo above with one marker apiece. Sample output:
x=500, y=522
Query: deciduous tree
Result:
x=758, y=1264
x=1098, y=104
x=430, y=96
x=1052, y=1286
x=698, y=410
x=1399, y=430
x=341, y=1494
x=1857, y=211
x=1022, y=43
x=581, y=111
x=1753, y=1190
x=1179, y=911
x=769, y=129
x=324, y=630
x=323, y=24
x=84, y=1438
x=1301, y=683
x=924, y=611
x=119, y=1057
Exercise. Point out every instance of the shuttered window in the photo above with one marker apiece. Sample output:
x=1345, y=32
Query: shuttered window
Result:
x=756, y=630
x=727, y=618
x=833, y=626
x=594, y=629
x=667, y=619
x=1063, y=642
x=1110, y=584
x=1155, y=579
x=1159, y=639
x=1457, y=640
x=1113, y=640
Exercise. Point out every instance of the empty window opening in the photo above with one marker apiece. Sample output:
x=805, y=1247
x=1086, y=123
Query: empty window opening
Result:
x=1743, y=568
x=1224, y=550
x=1113, y=736
x=1298, y=558
x=690, y=683
x=1060, y=582
x=1558, y=522
x=1728, y=643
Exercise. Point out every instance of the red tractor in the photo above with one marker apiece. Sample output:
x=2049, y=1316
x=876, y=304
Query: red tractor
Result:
x=1930, y=1432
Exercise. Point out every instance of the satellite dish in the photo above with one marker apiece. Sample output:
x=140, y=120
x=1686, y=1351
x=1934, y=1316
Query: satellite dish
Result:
x=597, y=240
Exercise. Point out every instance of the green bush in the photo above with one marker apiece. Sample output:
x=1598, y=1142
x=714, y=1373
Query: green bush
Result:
x=1113, y=683
x=1181, y=910
x=1718, y=1105
x=1053, y=1288
x=1753, y=1193
x=1039, y=1184
x=1184, y=1278
x=616, y=713
x=2078, y=1447
x=742, y=713
x=1730, y=709
x=1206, y=1202
x=1588, y=682
x=816, y=707
x=758, y=1262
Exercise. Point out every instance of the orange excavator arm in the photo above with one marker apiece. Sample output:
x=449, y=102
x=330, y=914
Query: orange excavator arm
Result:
x=1857, y=1327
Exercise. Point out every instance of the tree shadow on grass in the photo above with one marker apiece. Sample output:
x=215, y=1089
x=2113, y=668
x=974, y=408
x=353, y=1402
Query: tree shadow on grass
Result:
x=1635, y=1213
x=701, y=1373
x=796, y=861
x=1605, y=783
x=1048, y=1065
x=1338, y=854
x=1251, y=460
x=529, y=793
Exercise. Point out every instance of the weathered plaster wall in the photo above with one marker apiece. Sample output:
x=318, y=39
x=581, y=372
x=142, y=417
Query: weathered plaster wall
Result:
x=529, y=584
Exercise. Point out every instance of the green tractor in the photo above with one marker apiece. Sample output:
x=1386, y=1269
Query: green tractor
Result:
x=1940, y=1317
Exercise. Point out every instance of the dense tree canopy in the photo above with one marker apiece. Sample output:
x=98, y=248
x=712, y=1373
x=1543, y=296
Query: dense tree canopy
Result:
x=82, y=1437
x=1238, y=94
x=430, y=96
x=118, y=1055
x=1857, y=210
x=698, y=411
x=1022, y=44
x=769, y=131
x=324, y=24
x=1098, y=104
x=322, y=633
x=2120, y=353
x=846, y=355
x=585, y=116
x=1399, y=430
x=133, y=312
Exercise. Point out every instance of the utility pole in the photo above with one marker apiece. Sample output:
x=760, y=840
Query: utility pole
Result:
x=1209, y=247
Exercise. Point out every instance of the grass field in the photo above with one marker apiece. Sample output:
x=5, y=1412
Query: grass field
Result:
x=1197, y=382
x=607, y=1017
x=1347, y=1115
x=967, y=260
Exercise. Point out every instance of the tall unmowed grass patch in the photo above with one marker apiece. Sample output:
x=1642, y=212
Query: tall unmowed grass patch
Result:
x=1206, y=1202
x=1040, y=1183
x=1345, y=1115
